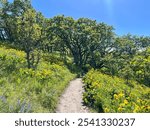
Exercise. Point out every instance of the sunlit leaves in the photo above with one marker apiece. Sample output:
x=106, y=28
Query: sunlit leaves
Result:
x=28, y=90
x=111, y=94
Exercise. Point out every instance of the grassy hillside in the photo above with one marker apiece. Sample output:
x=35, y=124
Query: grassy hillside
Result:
x=111, y=94
x=27, y=90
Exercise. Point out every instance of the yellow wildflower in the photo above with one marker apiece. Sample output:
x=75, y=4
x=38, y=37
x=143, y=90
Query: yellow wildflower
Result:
x=136, y=109
x=122, y=104
x=120, y=109
x=139, y=100
x=121, y=94
x=126, y=102
x=106, y=109
x=115, y=96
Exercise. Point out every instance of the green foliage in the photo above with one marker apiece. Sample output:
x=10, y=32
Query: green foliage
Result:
x=32, y=80
x=129, y=59
x=111, y=94
x=53, y=58
x=28, y=90
x=86, y=40
x=25, y=27
x=10, y=60
x=140, y=65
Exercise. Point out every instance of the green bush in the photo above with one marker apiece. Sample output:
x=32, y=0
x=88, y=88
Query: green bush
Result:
x=111, y=94
x=27, y=90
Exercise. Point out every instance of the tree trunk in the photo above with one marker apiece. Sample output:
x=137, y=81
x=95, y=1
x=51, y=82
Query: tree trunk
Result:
x=28, y=59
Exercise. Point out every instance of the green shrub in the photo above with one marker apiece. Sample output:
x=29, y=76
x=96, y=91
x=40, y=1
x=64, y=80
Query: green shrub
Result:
x=27, y=90
x=111, y=94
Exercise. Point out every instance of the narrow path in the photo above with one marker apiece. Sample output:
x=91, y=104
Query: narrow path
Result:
x=71, y=100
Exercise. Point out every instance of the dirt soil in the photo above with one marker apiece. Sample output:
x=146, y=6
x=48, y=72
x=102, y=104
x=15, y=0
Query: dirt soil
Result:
x=71, y=100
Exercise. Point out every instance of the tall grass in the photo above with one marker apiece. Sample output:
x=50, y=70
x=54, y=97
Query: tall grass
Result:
x=27, y=90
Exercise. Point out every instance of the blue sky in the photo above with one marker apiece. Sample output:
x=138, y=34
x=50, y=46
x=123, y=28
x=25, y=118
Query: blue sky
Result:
x=126, y=16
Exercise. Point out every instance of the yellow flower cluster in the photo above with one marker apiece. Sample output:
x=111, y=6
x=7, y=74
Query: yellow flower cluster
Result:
x=114, y=94
x=120, y=109
x=12, y=55
x=43, y=74
x=126, y=102
x=118, y=96
x=11, y=52
x=106, y=110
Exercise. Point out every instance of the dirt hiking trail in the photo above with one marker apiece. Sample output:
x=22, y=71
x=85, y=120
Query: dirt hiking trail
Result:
x=71, y=100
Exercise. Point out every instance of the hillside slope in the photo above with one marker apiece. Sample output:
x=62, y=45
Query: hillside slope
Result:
x=105, y=93
x=27, y=90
